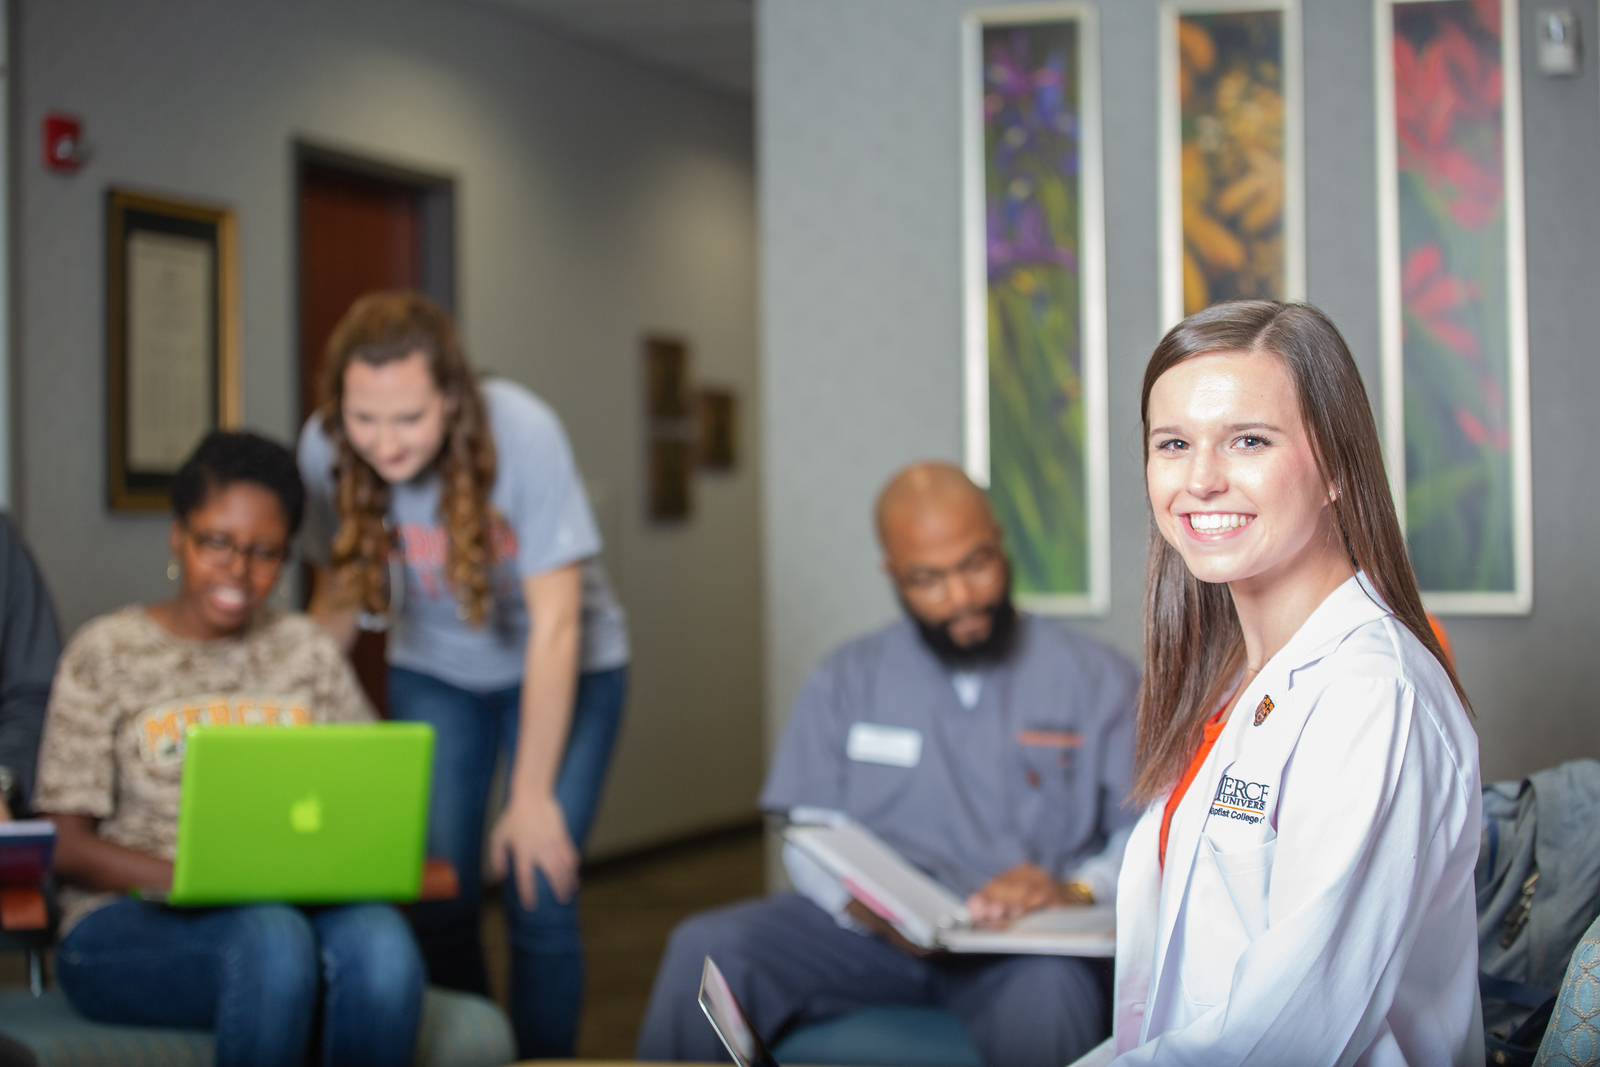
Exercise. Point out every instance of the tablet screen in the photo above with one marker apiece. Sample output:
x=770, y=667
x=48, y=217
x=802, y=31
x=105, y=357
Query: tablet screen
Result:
x=728, y=1019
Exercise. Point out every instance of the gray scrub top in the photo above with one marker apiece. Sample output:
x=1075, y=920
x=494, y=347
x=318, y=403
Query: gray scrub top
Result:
x=1037, y=772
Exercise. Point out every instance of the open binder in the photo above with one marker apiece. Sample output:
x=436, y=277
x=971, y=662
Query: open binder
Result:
x=929, y=915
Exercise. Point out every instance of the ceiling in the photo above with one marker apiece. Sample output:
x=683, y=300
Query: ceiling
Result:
x=711, y=42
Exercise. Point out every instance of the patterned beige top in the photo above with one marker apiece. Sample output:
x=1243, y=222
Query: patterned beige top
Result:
x=126, y=690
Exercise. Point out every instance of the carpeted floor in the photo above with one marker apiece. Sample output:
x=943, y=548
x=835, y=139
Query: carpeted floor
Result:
x=629, y=908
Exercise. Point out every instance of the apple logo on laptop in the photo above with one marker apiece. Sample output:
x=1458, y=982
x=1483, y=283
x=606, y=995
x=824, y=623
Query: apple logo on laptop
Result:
x=306, y=815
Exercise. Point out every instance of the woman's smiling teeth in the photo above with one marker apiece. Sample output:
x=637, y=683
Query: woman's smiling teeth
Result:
x=1217, y=521
x=229, y=597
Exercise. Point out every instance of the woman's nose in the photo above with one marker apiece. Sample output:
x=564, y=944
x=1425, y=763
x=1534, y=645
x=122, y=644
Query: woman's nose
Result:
x=1207, y=474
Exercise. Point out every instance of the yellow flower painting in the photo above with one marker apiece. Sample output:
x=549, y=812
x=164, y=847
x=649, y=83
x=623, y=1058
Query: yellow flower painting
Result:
x=1232, y=155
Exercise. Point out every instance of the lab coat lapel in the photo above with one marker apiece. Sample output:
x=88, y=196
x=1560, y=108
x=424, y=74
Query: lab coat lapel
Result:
x=1183, y=841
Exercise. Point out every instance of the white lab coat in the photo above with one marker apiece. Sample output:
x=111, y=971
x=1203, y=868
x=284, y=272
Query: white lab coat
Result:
x=1317, y=905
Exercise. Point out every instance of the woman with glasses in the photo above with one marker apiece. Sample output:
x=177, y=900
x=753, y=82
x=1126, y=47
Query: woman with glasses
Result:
x=110, y=769
x=450, y=511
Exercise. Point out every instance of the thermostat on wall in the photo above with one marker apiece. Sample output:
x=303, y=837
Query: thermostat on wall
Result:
x=1559, y=38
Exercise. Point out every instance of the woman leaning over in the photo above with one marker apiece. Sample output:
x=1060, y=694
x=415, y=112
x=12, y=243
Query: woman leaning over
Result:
x=111, y=763
x=1300, y=889
x=454, y=508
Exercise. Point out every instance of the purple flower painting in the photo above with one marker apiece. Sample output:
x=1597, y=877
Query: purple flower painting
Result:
x=1033, y=204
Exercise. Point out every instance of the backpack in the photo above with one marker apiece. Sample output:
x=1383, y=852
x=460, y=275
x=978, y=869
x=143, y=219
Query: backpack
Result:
x=1538, y=890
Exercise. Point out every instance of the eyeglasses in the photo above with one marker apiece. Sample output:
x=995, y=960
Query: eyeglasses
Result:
x=981, y=569
x=220, y=550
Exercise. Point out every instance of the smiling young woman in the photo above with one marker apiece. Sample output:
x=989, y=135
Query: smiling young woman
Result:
x=110, y=777
x=1300, y=888
x=452, y=508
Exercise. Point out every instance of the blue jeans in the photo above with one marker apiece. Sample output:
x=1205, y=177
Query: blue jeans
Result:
x=255, y=974
x=471, y=730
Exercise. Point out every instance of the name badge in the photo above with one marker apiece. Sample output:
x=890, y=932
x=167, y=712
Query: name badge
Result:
x=892, y=746
x=1050, y=739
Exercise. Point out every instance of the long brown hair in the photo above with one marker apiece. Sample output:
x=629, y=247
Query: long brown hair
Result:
x=1193, y=646
x=380, y=328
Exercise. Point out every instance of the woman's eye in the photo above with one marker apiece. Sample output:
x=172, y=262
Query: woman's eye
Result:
x=1172, y=445
x=1252, y=442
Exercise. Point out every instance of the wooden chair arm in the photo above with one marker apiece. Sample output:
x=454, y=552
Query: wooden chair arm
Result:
x=23, y=908
x=439, y=880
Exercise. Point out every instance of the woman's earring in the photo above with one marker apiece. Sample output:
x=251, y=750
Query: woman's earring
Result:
x=1333, y=494
x=172, y=570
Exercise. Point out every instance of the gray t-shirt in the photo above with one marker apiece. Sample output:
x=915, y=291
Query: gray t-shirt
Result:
x=544, y=522
x=1036, y=771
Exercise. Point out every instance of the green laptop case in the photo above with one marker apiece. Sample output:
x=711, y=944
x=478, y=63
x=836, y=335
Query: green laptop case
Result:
x=312, y=815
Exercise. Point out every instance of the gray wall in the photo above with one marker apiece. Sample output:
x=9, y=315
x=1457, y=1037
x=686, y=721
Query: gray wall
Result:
x=596, y=200
x=859, y=154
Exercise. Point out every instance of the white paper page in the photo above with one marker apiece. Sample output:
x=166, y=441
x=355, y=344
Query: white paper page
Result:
x=169, y=348
x=1069, y=931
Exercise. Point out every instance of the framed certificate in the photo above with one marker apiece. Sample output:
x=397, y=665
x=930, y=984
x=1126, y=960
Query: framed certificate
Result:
x=172, y=339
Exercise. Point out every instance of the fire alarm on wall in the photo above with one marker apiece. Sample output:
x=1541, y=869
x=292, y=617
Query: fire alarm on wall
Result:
x=63, y=142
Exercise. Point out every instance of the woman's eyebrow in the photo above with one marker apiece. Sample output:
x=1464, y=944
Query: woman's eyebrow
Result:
x=1238, y=427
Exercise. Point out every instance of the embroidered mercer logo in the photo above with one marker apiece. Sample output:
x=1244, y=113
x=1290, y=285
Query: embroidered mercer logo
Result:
x=1263, y=709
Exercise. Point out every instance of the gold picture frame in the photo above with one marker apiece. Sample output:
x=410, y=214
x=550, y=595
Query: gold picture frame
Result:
x=172, y=339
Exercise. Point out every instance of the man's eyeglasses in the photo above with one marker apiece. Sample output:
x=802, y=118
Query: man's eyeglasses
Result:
x=981, y=569
x=220, y=550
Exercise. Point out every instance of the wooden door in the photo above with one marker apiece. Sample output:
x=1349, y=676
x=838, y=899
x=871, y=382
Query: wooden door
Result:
x=358, y=233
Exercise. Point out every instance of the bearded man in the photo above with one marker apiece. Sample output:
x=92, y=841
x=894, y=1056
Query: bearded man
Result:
x=991, y=748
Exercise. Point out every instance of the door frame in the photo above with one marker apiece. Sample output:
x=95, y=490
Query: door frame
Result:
x=437, y=198
x=436, y=194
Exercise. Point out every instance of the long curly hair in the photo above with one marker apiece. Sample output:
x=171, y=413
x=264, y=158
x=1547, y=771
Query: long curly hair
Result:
x=380, y=328
x=1194, y=648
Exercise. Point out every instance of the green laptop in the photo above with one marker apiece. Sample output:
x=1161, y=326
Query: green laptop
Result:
x=311, y=815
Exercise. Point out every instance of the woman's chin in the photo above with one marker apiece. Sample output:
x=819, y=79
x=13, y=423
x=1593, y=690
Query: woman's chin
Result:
x=1214, y=570
x=225, y=619
x=399, y=472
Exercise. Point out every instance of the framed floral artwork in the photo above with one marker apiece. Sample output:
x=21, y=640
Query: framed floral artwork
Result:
x=1232, y=170
x=1453, y=281
x=1034, y=297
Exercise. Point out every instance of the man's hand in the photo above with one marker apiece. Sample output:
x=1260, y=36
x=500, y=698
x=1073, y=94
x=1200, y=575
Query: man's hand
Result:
x=1024, y=888
x=880, y=927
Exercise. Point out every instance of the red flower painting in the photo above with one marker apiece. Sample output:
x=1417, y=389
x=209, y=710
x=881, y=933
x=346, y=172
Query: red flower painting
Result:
x=1450, y=155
